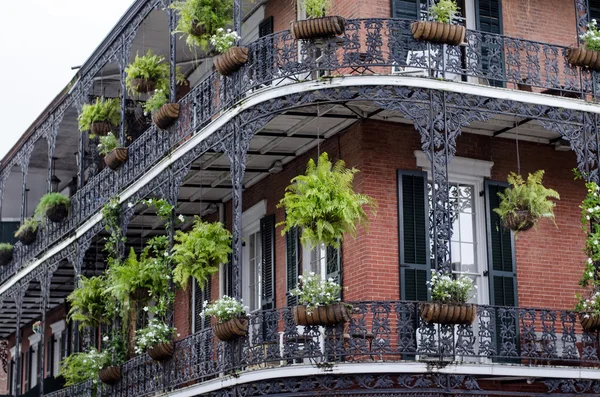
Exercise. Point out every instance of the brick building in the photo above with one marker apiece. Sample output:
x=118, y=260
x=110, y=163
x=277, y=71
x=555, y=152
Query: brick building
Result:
x=434, y=129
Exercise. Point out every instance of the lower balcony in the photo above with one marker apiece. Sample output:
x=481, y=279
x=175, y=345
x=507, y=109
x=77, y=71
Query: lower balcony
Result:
x=385, y=346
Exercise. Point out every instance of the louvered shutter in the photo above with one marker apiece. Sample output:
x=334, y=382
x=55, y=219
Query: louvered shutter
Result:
x=228, y=277
x=489, y=20
x=334, y=265
x=594, y=10
x=406, y=9
x=267, y=233
x=413, y=222
x=200, y=296
x=7, y=232
x=292, y=261
x=265, y=58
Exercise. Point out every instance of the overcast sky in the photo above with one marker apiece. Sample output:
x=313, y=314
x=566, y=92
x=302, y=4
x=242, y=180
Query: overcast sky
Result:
x=39, y=42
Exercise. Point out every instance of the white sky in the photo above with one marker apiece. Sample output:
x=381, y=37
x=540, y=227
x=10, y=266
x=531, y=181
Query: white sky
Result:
x=39, y=42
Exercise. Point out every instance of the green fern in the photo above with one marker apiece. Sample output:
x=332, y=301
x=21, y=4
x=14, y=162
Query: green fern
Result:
x=102, y=110
x=209, y=14
x=49, y=201
x=90, y=303
x=316, y=8
x=149, y=67
x=324, y=204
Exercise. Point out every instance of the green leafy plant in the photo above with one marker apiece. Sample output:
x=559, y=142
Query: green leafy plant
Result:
x=155, y=102
x=224, y=309
x=115, y=347
x=445, y=288
x=199, y=252
x=224, y=40
x=28, y=224
x=591, y=38
x=200, y=19
x=164, y=209
x=90, y=303
x=323, y=203
x=6, y=247
x=107, y=144
x=530, y=196
x=444, y=11
x=590, y=279
x=49, y=201
x=108, y=110
x=111, y=213
x=313, y=291
x=149, y=67
x=316, y=8
x=154, y=333
x=81, y=367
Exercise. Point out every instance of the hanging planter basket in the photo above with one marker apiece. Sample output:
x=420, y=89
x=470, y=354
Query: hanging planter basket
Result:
x=580, y=56
x=161, y=352
x=166, y=115
x=589, y=322
x=110, y=375
x=141, y=295
x=100, y=128
x=437, y=32
x=197, y=29
x=519, y=220
x=6, y=256
x=318, y=27
x=337, y=313
x=442, y=313
x=232, y=329
x=116, y=158
x=143, y=86
x=27, y=236
x=231, y=60
x=58, y=213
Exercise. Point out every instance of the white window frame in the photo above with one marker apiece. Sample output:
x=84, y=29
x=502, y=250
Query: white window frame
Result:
x=34, y=341
x=57, y=330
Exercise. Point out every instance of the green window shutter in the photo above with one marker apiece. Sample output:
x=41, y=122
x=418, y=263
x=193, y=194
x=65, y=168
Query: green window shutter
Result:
x=7, y=232
x=228, y=276
x=501, y=251
x=489, y=16
x=267, y=233
x=413, y=225
x=200, y=296
x=333, y=259
x=406, y=9
x=594, y=10
x=292, y=259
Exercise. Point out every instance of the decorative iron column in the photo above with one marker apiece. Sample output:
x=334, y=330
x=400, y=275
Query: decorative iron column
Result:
x=44, y=281
x=24, y=170
x=122, y=65
x=237, y=16
x=18, y=297
x=172, y=55
x=582, y=17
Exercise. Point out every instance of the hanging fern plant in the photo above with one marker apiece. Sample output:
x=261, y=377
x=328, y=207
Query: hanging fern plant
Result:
x=200, y=19
x=323, y=203
x=525, y=202
x=91, y=305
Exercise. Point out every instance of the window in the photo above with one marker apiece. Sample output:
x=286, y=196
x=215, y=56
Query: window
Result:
x=254, y=260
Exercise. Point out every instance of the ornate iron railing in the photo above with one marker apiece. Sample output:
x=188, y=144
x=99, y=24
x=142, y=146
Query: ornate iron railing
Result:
x=369, y=47
x=389, y=331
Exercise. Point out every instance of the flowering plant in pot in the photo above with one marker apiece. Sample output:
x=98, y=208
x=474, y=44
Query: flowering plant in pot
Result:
x=54, y=206
x=147, y=73
x=587, y=56
x=200, y=19
x=27, y=232
x=442, y=28
x=450, y=296
x=230, y=313
x=114, y=354
x=232, y=58
x=318, y=24
x=157, y=339
x=319, y=302
x=114, y=154
x=6, y=253
x=37, y=327
x=525, y=202
x=82, y=367
x=100, y=117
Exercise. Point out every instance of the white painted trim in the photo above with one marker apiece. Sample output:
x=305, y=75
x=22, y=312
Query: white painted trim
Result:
x=459, y=166
x=34, y=339
x=268, y=93
x=13, y=350
x=253, y=214
x=58, y=327
x=387, y=368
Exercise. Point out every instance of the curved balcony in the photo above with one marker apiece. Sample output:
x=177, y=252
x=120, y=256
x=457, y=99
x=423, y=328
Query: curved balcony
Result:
x=382, y=337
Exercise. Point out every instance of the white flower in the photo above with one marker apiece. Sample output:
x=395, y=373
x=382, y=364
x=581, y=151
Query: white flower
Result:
x=181, y=218
x=145, y=308
x=130, y=205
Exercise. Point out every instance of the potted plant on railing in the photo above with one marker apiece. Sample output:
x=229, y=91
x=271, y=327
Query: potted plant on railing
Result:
x=525, y=202
x=232, y=320
x=441, y=29
x=100, y=117
x=232, y=58
x=111, y=358
x=318, y=24
x=589, y=55
x=54, y=206
x=157, y=339
x=450, y=296
x=319, y=302
x=164, y=114
x=27, y=232
x=82, y=367
x=147, y=73
x=6, y=253
x=200, y=19
x=114, y=154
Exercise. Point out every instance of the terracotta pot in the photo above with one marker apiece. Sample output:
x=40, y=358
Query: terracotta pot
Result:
x=442, y=313
x=232, y=329
x=231, y=60
x=143, y=85
x=519, y=221
x=6, y=256
x=580, y=56
x=437, y=32
x=100, y=128
x=333, y=314
x=58, y=213
x=161, y=352
x=197, y=29
x=115, y=159
x=590, y=323
x=110, y=375
x=166, y=115
x=318, y=27
x=27, y=236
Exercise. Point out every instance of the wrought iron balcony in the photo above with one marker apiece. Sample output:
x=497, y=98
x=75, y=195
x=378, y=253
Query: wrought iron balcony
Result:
x=379, y=332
